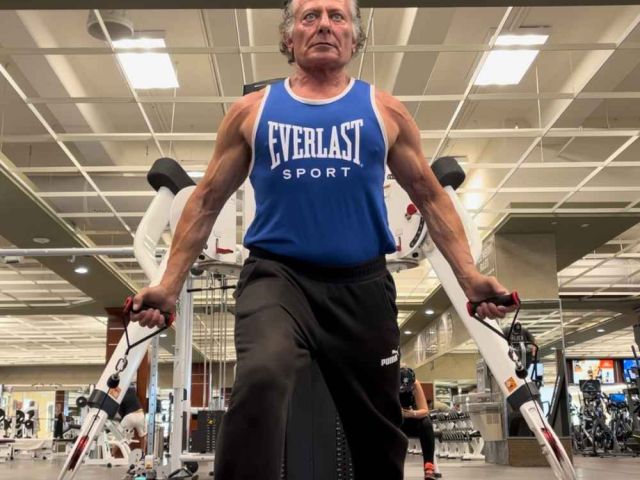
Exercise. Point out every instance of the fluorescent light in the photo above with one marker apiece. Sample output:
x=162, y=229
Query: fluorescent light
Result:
x=408, y=332
x=163, y=335
x=600, y=330
x=428, y=311
x=507, y=67
x=81, y=270
x=504, y=40
x=146, y=70
x=194, y=174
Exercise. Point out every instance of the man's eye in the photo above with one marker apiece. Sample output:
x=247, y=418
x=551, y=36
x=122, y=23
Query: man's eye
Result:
x=310, y=16
x=337, y=17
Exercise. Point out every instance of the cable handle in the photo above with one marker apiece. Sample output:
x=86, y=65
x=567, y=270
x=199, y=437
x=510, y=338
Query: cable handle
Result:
x=127, y=309
x=506, y=300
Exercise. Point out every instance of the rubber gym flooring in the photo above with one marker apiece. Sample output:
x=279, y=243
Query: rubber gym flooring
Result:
x=616, y=468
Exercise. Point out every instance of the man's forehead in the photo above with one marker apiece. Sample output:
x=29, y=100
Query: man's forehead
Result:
x=298, y=4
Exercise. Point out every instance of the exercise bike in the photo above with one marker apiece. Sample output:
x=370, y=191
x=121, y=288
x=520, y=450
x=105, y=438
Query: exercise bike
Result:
x=620, y=422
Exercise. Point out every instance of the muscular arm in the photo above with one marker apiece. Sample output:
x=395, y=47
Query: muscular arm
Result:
x=413, y=173
x=226, y=172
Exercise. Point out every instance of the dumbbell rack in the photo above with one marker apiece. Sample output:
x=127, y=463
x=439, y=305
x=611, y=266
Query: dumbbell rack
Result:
x=457, y=439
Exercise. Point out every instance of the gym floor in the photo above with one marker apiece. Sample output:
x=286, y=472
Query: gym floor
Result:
x=614, y=468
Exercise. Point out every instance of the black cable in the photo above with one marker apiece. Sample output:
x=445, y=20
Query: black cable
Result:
x=209, y=289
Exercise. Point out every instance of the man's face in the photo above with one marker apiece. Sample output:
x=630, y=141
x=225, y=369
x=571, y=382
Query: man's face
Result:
x=322, y=34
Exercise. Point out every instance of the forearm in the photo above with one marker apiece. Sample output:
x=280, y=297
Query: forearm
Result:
x=192, y=231
x=419, y=413
x=447, y=232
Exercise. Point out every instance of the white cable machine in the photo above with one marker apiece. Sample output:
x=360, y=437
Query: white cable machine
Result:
x=413, y=245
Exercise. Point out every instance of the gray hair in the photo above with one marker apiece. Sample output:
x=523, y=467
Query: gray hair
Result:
x=288, y=19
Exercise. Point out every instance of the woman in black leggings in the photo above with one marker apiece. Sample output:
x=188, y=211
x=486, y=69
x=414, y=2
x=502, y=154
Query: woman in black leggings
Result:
x=416, y=421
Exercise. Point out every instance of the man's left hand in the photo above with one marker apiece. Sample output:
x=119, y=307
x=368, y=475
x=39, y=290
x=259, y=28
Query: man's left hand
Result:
x=480, y=287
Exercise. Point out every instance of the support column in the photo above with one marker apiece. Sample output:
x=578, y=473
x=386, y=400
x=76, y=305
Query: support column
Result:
x=61, y=401
x=527, y=263
x=60, y=409
x=200, y=388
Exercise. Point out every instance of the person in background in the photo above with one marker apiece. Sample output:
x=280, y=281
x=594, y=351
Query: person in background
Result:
x=133, y=417
x=416, y=421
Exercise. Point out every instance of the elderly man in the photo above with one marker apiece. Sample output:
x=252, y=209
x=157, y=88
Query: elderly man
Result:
x=315, y=285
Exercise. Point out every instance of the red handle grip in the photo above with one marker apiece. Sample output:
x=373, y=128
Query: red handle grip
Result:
x=506, y=300
x=169, y=318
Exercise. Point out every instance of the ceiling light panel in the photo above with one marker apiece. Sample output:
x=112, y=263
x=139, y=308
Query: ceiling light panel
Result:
x=146, y=70
x=507, y=67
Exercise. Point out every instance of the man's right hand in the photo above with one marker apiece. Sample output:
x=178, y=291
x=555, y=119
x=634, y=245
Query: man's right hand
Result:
x=158, y=297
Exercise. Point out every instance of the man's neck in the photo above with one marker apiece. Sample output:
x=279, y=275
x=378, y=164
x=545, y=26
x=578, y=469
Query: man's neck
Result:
x=320, y=83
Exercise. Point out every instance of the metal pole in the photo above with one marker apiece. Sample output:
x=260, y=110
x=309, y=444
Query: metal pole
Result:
x=206, y=356
x=223, y=338
x=153, y=395
x=219, y=405
x=210, y=329
x=181, y=377
x=69, y=252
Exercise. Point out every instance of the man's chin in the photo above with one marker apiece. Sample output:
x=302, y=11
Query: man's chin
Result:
x=323, y=61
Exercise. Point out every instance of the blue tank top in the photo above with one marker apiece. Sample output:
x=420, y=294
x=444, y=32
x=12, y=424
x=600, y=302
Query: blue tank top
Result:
x=318, y=170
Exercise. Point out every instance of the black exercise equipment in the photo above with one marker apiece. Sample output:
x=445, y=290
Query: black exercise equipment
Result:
x=5, y=423
x=593, y=435
x=448, y=172
x=558, y=415
x=312, y=414
x=254, y=87
x=204, y=437
x=166, y=172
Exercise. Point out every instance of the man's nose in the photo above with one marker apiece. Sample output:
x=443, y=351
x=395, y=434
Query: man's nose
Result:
x=325, y=23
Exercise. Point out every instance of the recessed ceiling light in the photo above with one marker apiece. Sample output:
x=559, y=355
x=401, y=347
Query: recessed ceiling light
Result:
x=163, y=335
x=408, y=332
x=41, y=240
x=507, y=67
x=429, y=311
x=600, y=330
x=553, y=222
x=571, y=341
x=553, y=348
x=81, y=270
x=148, y=69
x=584, y=225
x=195, y=174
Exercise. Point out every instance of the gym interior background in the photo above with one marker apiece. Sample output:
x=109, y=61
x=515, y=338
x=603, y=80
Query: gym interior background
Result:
x=546, y=132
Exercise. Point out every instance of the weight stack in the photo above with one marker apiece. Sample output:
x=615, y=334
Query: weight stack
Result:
x=204, y=438
x=316, y=446
x=343, y=456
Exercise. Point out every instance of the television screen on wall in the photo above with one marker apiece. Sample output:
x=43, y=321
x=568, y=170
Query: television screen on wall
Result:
x=629, y=369
x=601, y=369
